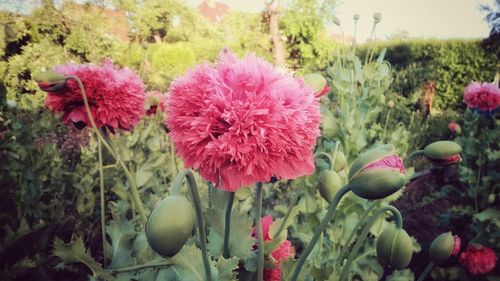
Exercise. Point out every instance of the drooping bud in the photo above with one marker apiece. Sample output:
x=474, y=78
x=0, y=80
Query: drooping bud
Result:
x=50, y=81
x=329, y=183
x=377, y=173
x=339, y=162
x=377, y=17
x=394, y=248
x=356, y=17
x=443, y=153
x=443, y=247
x=336, y=20
x=318, y=83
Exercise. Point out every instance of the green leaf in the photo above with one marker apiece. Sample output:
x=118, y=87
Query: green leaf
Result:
x=401, y=275
x=142, y=175
x=226, y=269
x=187, y=265
x=488, y=214
x=240, y=238
x=122, y=235
x=74, y=252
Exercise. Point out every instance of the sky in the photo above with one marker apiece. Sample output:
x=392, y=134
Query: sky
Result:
x=420, y=18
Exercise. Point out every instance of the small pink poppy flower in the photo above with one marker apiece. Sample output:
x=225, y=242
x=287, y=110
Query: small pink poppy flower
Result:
x=456, y=245
x=243, y=121
x=282, y=252
x=115, y=96
x=153, y=100
x=392, y=161
x=454, y=128
x=478, y=259
x=483, y=97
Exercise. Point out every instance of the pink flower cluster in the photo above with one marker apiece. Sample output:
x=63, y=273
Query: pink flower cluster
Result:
x=115, y=96
x=243, y=121
x=484, y=97
x=282, y=252
x=478, y=259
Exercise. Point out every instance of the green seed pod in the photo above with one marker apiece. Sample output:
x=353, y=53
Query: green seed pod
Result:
x=340, y=161
x=377, y=173
x=169, y=225
x=394, y=248
x=50, y=81
x=443, y=247
x=315, y=81
x=329, y=183
x=443, y=153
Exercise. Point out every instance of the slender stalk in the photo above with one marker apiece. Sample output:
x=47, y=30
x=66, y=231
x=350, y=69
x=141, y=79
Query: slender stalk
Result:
x=260, y=240
x=193, y=190
x=141, y=266
x=319, y=230
x=411, y=156
x=364, y=234
x=227, y=225
x=385, y=125
x=103, y=206
x=288, y=212
x=426, y=271
x=362, y=220
x=133, y=185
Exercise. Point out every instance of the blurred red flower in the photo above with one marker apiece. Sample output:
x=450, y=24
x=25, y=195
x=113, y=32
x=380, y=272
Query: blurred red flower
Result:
x=484, y=97
x=478, y=259
x=454, y=128
x=244, y=121
x=116, y=96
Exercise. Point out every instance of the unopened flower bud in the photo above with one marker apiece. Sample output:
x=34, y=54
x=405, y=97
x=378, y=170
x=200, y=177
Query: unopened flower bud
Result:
x=390, y=104
x=377, y=17
x=316, y=82
x=443, y=247
x=356, y=17
x=394, y=248
x=377, y=173
x=329, y=183
x=454, y=128
x=50, y=81
x=443, y=153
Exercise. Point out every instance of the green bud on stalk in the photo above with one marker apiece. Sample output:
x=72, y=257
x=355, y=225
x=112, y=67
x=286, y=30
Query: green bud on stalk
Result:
x=394, y=248
x=443, y=153
x=377, y=173
x=329, y=183
x=443, y=247
x=50, y=81
x=170, y=224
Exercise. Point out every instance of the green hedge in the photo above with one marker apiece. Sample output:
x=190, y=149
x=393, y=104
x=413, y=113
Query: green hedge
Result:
x=452, y=64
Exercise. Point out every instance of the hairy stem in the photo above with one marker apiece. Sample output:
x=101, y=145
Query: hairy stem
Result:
x=133, y=185
x=319, y=230
x=193, y=190
x=426, y=271
x=260, y=241
x=289, y=211
x=364, y=234
x=103, y=206
x=227, y=224
x=141, y=266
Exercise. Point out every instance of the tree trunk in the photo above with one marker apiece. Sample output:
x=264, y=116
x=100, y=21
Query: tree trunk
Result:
x=278, y=48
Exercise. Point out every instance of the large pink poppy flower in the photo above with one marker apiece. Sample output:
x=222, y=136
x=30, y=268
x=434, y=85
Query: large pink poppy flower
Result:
x=116, y=96
x=244, y=121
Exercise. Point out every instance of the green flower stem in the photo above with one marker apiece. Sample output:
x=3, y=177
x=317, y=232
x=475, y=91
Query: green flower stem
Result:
x=362, y=221
x=364, y=234
x=141, y=266
x=385, y=125
x=411, y=156
x=260, y=240
x=227, y=225
x=193, y=189
x=103, y=207
x=426, y=271
x=289, y=211
x=319, y=230
x=133, y=186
